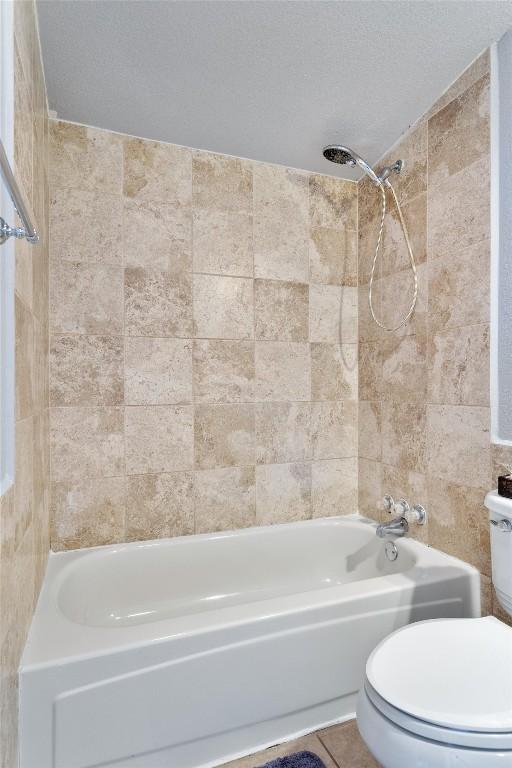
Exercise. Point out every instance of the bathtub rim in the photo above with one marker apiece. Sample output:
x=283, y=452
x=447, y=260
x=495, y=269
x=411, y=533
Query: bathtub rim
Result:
x=52, y=632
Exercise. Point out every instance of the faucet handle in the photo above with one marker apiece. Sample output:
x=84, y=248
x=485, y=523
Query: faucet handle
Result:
x=388, y=503
x=419, y=514
x=401, y=507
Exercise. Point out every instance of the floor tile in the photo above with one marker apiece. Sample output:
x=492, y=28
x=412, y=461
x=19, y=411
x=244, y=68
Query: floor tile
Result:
x=345, y=745
x=307, y=743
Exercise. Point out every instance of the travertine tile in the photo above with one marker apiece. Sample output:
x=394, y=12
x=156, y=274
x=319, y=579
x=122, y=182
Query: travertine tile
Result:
x=9, y=656
x=458, y=135
x=159, y=506
x=459, y=287
x=370, y=370
x=224, y=499
x=40, y=281
x=282, y=371
x=159, y=438
x=85, y=158
x=334, y=487
x=412, y=180
x=404, y=368
x=334, y=429
x=282, y=432
x=157, y=235
x=24, y=270
x=41, y=497
x=7, y=555
x=24, y=528
x=459, y=522
x=281, y=223
x=486, y=595
x=368, y=233
x=332, y=202
x=158, y=371
x=281, y=310
x=501, y=462
x=23, y=124
x=155, y=171
x=283, y=493
x=368, y=330
x=86, y=226
x=157, y=303
x=24, y=465
x=223, y=242
x=396, y=296
x=477, y=69
x=40, y=368
x=223, y=435
x=370, y=491
x=333, y=256
x=86, y=298
x=223, y=371
x=346, y=746
x=458, y=210
x=86, y=442
x=24, y=359
x=221, y=182
x=333, y=314
x=370, y=426
x=223, y=307
x=458, y=444
x=458, y=369
x=86, y=370
x=395, y=254
x=87, y=513
x=404, y=435
x=334, y=371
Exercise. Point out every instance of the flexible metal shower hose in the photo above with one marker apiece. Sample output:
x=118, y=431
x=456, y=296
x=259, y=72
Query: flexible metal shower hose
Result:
x=377, y=249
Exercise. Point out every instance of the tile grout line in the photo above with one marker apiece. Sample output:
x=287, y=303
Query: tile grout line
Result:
x=324, y=745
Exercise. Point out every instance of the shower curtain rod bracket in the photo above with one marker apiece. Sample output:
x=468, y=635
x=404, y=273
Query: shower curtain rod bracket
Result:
x=7, y=231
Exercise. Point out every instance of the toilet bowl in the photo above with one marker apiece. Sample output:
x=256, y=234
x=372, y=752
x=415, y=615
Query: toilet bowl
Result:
x=438, y=694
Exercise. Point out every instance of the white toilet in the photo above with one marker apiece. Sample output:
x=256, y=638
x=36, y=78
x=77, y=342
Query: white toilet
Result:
x=438, y=694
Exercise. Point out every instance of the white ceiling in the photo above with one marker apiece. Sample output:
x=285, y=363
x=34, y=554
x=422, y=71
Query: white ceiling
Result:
x=271, y=80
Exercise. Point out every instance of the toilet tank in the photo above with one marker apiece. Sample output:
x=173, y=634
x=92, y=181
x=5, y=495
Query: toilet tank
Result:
x=500, y=517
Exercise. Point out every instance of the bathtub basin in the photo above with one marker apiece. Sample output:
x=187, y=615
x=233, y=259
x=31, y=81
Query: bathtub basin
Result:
x=189, y=652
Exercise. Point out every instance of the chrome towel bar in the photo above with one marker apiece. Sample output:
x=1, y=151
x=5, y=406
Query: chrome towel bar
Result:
x=28, y=229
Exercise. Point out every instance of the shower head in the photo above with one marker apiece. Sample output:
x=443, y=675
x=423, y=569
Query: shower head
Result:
x=335, y=153
x=341, y=155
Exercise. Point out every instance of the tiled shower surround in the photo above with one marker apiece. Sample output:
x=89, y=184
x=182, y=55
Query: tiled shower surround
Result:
x=24, y=507
x=199, y=380
x=424, y=417
x=206, y=314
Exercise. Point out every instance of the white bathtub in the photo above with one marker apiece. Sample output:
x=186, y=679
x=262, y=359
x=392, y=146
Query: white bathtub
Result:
x=188, y=652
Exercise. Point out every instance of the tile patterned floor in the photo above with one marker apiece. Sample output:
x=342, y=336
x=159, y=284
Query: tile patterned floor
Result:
x=339, y=747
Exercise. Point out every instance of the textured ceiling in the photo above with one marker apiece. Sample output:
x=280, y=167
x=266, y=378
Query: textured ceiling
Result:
x=270, y=80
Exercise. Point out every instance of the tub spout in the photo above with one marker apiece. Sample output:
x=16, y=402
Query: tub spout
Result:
x=394, y=529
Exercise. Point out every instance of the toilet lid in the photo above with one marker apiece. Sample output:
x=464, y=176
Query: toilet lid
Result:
x=456, y=673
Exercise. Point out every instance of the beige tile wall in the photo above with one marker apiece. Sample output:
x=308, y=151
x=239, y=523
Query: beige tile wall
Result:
x=204, y=366
x=424, y=421
x=24, y=508
x=203, y=341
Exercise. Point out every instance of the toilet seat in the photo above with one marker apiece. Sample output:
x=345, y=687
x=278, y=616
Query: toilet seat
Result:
x=449, y=736
x=446, y=680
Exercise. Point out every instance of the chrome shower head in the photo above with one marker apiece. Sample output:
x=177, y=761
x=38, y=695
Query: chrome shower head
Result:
x=337, y=153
